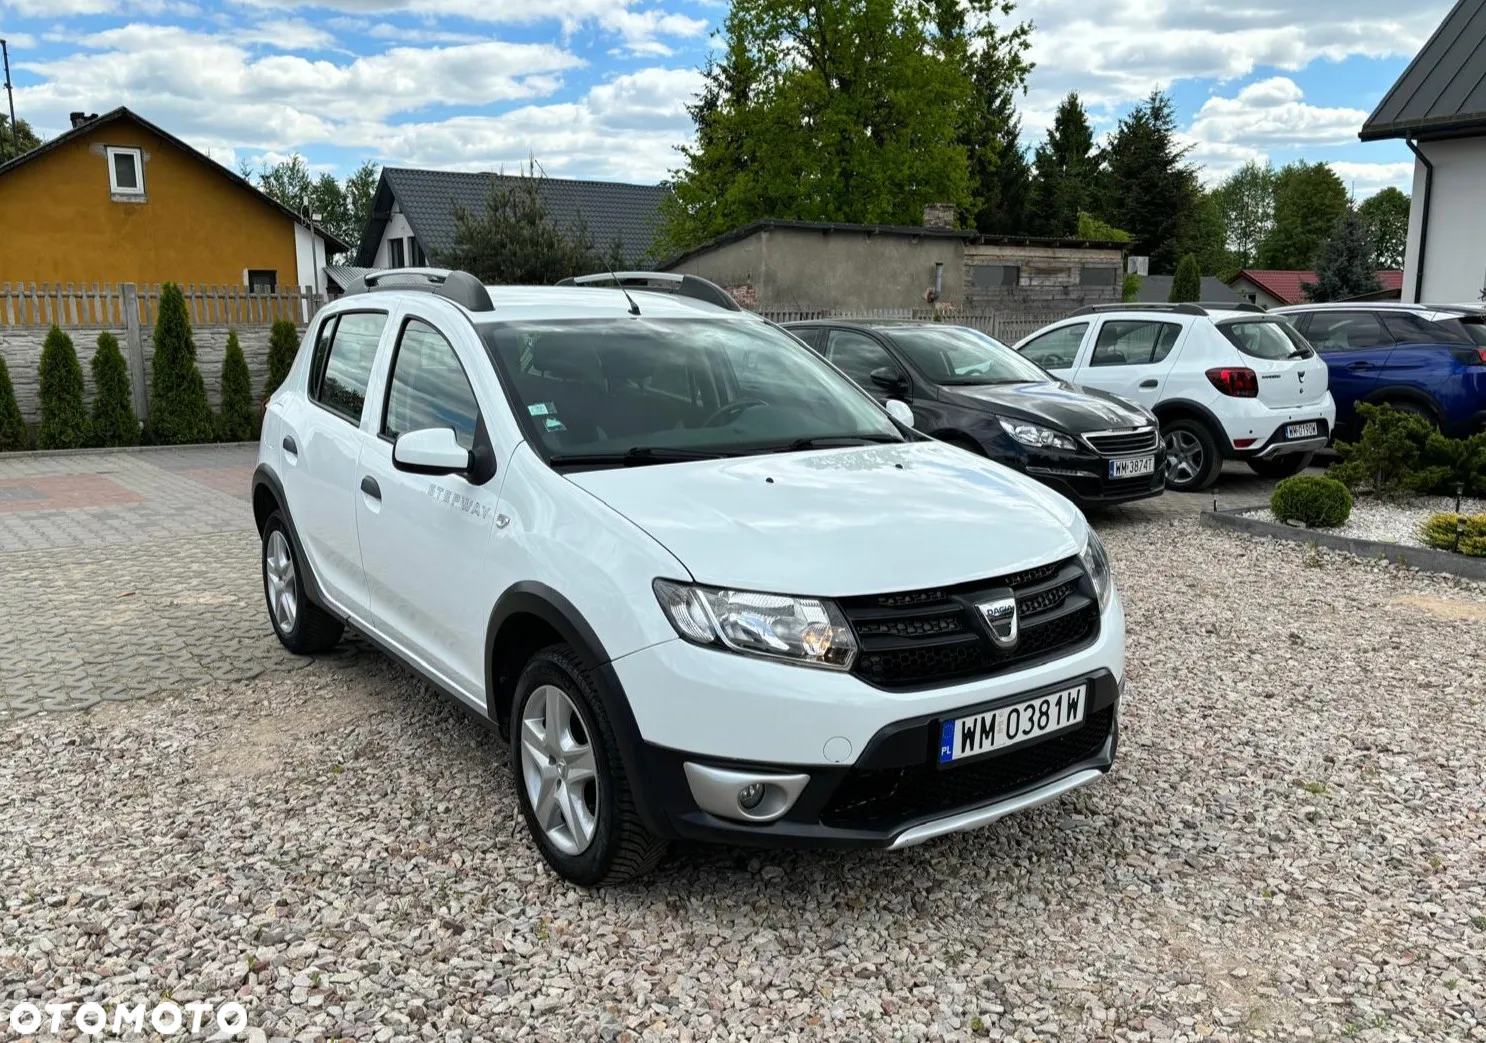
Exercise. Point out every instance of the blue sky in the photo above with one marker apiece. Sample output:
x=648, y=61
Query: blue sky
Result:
x=598, y=88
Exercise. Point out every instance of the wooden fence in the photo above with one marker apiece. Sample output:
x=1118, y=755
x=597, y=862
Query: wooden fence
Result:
x=1006, y=326
x=111, y=304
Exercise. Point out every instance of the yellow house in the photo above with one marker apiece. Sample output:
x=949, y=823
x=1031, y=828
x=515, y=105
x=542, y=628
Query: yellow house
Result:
x=116, y=199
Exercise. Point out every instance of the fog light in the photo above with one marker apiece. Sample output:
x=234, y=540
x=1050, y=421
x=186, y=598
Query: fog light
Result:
x=751, y=796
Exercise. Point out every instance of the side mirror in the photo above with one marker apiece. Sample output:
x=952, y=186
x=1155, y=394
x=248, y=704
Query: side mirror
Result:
x=899, y=411
x=888, y=379
x=432, y=450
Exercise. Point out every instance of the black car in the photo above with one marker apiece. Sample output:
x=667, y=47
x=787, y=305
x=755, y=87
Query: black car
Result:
x=970, y=390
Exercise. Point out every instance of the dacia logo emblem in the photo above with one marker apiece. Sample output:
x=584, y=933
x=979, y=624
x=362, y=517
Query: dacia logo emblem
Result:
x=1001, y=620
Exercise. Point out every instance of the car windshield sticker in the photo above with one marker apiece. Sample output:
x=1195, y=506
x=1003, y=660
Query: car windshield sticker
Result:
x=539, y=408
x=554, y=424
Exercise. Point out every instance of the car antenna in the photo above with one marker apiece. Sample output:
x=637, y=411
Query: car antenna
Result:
x=634, y=309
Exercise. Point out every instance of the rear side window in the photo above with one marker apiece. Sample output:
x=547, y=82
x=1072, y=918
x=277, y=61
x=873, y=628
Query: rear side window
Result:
x=341, y=368
x=428, y=387
x=1473, y=329
x=1408, y=328
x=857, y=355
x=1134, y=342
x=1056, y=349
x=1266, y=339
x=1346, y=331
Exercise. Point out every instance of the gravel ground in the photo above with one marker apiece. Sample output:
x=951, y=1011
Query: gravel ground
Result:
x=1391, y=522
x=1291, y=847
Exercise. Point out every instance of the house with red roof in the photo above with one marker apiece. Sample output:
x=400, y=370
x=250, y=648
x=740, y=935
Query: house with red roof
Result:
x=1269, y=288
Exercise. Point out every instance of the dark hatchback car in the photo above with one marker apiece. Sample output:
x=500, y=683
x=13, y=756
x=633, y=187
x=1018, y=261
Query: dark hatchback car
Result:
x=970, y=390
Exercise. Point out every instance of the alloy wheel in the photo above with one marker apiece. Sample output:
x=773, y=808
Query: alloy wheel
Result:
x=1184, y=457
x=558, y=770
x=278, y=568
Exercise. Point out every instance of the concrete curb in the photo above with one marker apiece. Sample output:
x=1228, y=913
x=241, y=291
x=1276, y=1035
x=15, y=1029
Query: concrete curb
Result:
x=38, y=454
x=1426, y=559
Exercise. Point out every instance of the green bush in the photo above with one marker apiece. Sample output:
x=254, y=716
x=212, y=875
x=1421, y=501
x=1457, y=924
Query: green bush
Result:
x=114, y=422
x=283, y=345
x=1312, y=499
x=1390, y=458
x=235, y=423
x=1443, y=530
x=1187, y=284
x=1457, y=460
x=179, y=411
x=64, y=418
x=13, y=434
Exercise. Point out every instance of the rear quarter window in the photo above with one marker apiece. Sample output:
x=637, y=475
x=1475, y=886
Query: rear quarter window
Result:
x=1265, y=339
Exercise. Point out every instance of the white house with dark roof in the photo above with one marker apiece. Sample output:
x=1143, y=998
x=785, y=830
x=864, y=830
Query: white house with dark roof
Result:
x=412, y=216
x=1438, y=107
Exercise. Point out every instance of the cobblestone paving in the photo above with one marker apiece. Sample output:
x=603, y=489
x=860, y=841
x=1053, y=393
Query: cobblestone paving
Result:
x=124, y=575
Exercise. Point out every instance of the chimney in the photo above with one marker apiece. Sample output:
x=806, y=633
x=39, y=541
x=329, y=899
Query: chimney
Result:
x=939, y=215
x=79, y=118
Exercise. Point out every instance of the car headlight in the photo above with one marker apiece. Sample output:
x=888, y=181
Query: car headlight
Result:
x=1033, y=435
x=1096, y=564
x=807, y=631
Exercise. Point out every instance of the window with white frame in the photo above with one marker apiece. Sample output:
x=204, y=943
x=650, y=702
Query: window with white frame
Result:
x=126, y=171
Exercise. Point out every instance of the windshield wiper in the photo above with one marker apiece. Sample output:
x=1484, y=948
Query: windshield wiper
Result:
x=967, y=382
x=825, y=441
x=635, y=457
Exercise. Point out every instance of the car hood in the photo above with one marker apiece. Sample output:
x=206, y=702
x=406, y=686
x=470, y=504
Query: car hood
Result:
x=841, y=522
x=1063, y=405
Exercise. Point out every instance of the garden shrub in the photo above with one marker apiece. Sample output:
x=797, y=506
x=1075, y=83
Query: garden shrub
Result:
x=1457, y=460
x=235, y=423
x=283, y=345
x=13, y=434
x=179, y=411
x=64, y=418
x=114, y=422
x=1316, y=501
x=1442, y=530
x=1390, y=458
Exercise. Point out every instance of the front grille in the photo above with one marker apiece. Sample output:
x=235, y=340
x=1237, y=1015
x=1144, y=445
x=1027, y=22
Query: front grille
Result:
x=1124, y=443
x=883, y=798
x=923, y=637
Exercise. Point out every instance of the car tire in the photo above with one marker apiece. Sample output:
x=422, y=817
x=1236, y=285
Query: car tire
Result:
x=1192, y=459
x=1423, y=412
x=1281, y=466
x=302, y=626
x=569, y=777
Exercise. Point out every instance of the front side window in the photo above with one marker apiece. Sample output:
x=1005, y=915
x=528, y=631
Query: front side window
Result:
x=1056, y=349
x=953, y=355
x=587, y=389
x=1346, y=331
x=1134, y=342
x=341, y=369
x=126, y=171
x=1266, y=339
x=857, y=355
x=428, y=387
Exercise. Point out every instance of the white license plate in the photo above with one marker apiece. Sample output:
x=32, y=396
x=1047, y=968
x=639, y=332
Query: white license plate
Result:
x=1309, y=430
x=1011, y=725
x=1132, y=467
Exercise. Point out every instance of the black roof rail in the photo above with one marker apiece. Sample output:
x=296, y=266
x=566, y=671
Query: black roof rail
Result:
x=1231, y=306
x=693, y=286
x=460, y=287
x=1179, y=309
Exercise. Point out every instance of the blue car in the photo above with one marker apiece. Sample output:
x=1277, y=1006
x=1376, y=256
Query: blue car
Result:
x=1428, y=359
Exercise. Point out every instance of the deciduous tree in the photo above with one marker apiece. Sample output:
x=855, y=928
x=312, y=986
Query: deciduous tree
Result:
x=1245, y=199
x=8, y=144
x=1386, y=215
x=1309, y=200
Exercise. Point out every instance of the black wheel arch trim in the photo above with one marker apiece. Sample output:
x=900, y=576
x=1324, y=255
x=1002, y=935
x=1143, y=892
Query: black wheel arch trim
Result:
x=529, y=597
x=1404, y=393
x=1215, y=426
x=264, y=477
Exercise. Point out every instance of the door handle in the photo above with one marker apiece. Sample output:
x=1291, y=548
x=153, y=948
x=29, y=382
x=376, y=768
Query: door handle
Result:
x=371, y=488
x=290, y=446
x=1360, y=365
x=1149, y=383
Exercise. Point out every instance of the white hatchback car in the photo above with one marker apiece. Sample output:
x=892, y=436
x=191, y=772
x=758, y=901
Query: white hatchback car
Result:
x=1225, y=381
x=704, y=584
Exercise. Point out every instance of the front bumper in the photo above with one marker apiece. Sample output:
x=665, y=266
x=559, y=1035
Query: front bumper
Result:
x=895, y=795
x=1083, y=475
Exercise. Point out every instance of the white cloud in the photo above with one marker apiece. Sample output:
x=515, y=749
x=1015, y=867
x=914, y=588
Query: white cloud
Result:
x=19, y=41
x=407, y=34
x=1273, y=113
x=1363, y=179
x=285, y=34
x=72, y=8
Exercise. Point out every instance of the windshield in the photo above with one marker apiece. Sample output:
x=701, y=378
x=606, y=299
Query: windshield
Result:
x=955, y=355
x=1266, y=339
x=657, y=390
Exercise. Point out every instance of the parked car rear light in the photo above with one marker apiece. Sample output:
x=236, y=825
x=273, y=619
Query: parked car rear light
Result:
x=1243, y=443
x=1237, y=382
x=1481, y=354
